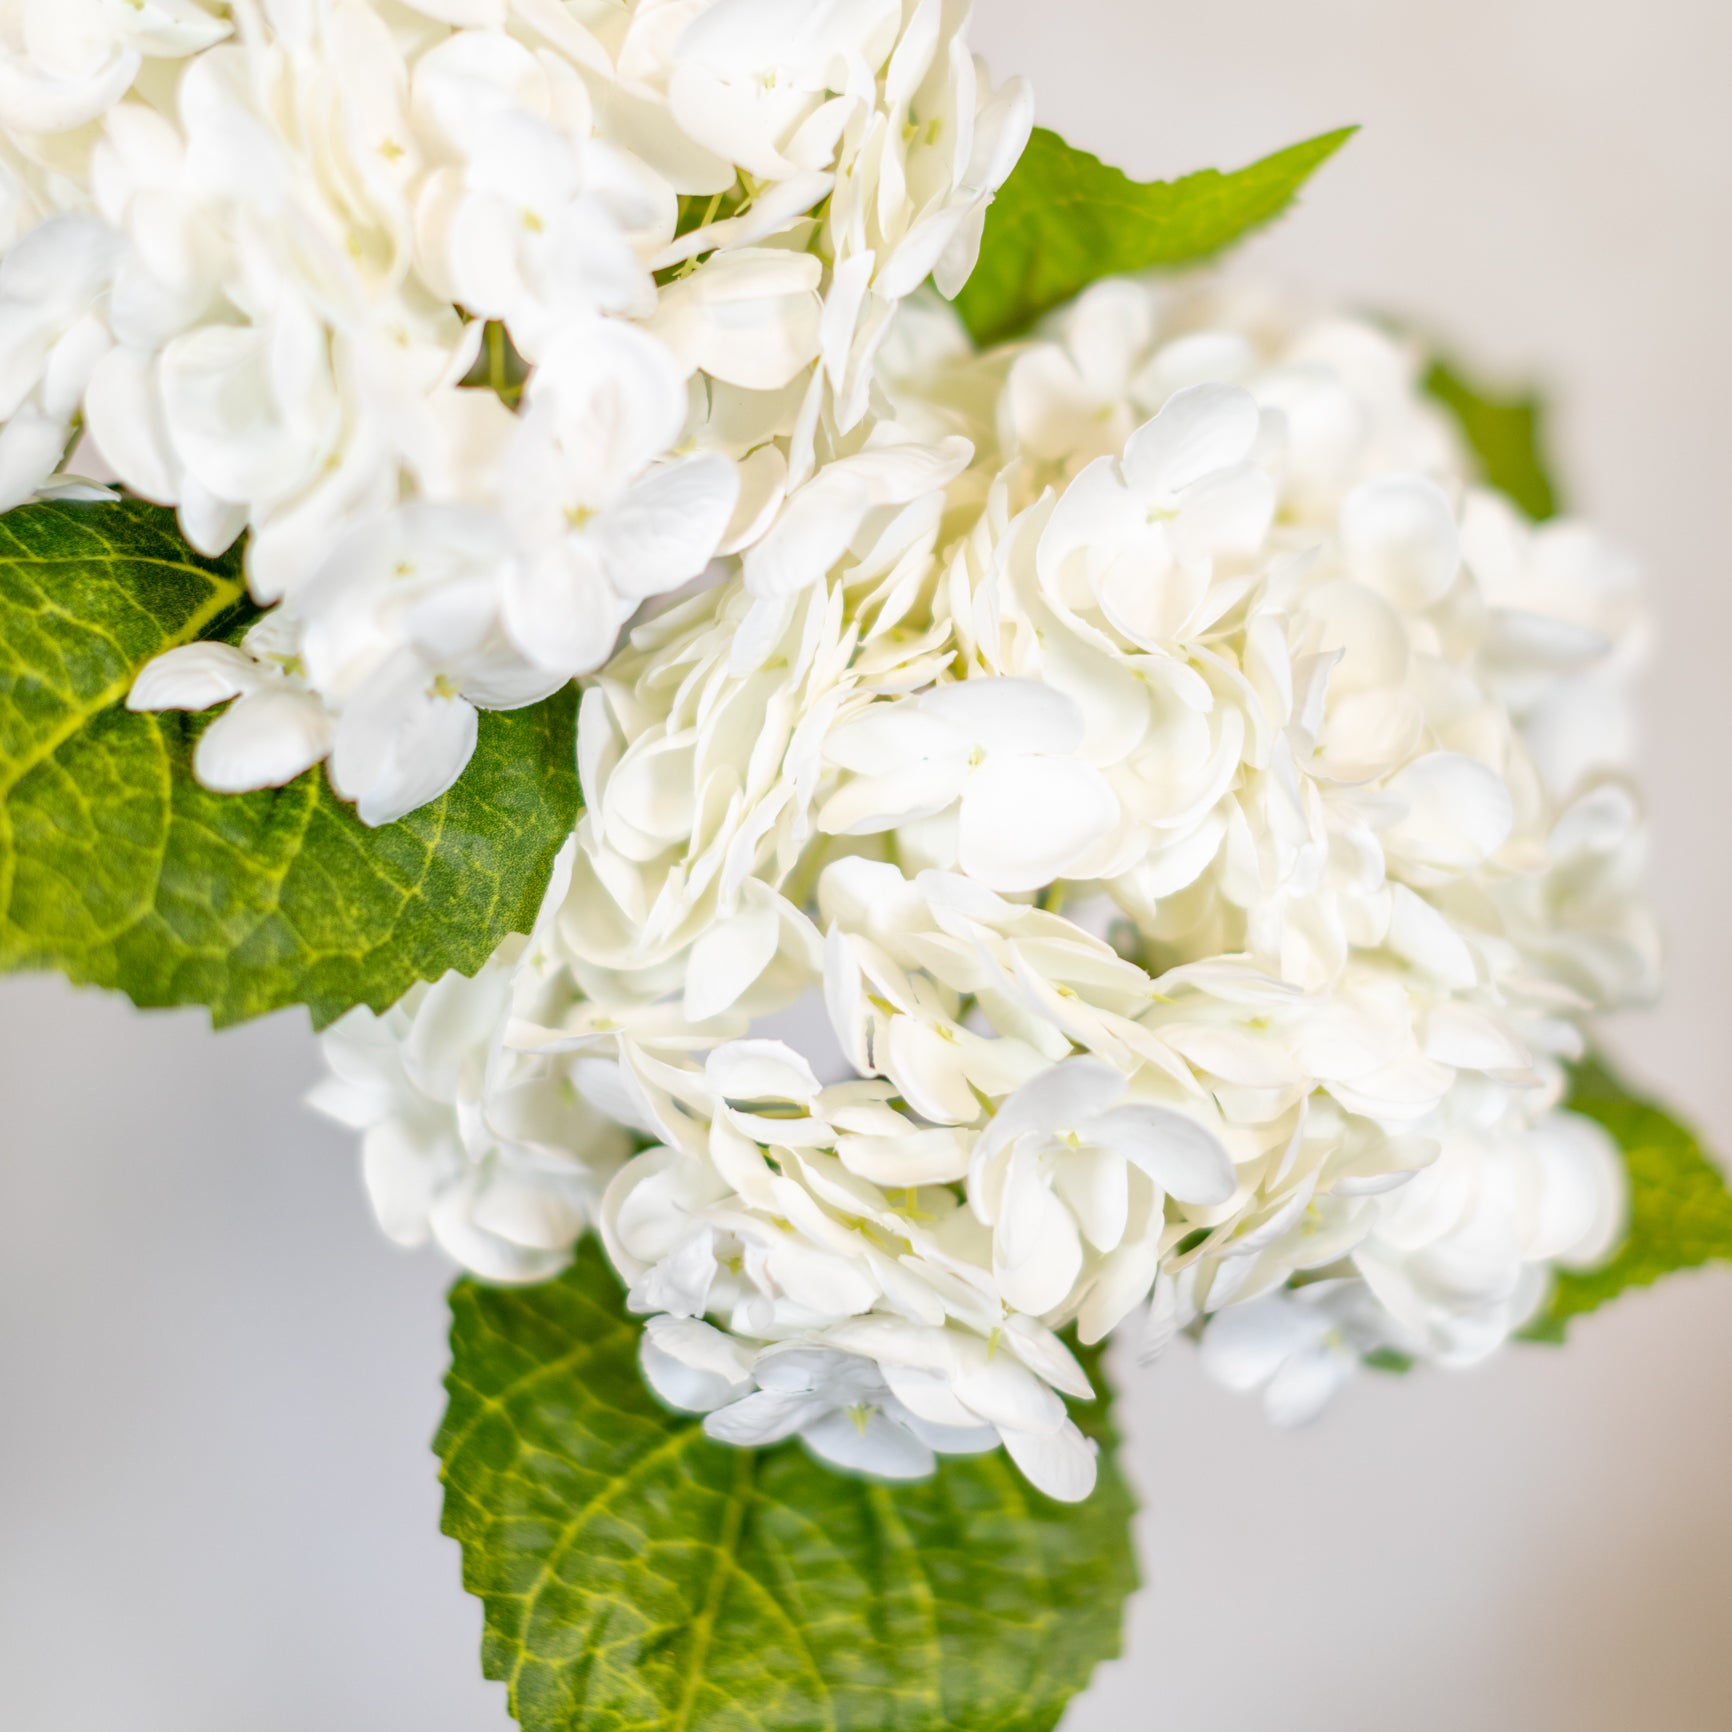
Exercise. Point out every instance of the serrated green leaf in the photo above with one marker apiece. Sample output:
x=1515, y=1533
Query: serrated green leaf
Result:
x=1680, y=1207
x=1065, y=219
x=639, y=1578
x=1506, y=435
x=119, y=870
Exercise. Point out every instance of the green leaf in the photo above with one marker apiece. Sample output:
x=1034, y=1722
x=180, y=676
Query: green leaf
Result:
x=1506, y=435
x=1064, y=219
x=1680, y=1208
x=639, y=1578
x=119, y=870
x=1389, y=1360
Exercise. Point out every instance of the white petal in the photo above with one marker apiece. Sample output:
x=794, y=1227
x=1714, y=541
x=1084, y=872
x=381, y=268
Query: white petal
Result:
x=401, y=1180
x=1469, y=1039
x=928, y=1395
x=811, y=534
x=1094, y=1185
x=560, y=609
x=31, y=444
x=1118, y=1290
x=539, y=1214
x=885, y=738
x=1053, y=411
x=753, y=1070
x=738, y=119
x=667, y=527
x=874, y=1444
x=927, y=1068
x=1094, y=515
x=1202, y=429
x=1047, y=1357
x=680, y=1283
x=1184, y=1158
x=702, y=1347
x=1231, y=1054
x=262, y=741
x=211, y=524
x=1063, y=1463
x=485, y=1254
x=727, y=959
x=650, y=795
x=1458, y=811
x=764, y=1417
x=613, y=397
x=817, y=1370
x=871, y=804
x=1037, y=1253
x=896, y=472
x=913, y=1157
x=1400, y=538
x=816, y=1281
x=1028, y=821
x=1585, y=1206
x=1007, y=715
x=32, y=102
x=1304, y=1386
x=1229, y=513
x=1402, y=1091
x=1245, y=1345
x=400, y=744
x=679, y=1385
x=763, y=484
x=1060, y=1099
x=193, y=677
x=1422, y=936
x=229, y=412
x=748, y=316
x=998, y=1387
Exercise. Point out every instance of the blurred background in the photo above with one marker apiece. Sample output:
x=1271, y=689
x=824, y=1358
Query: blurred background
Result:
x=218, y=1510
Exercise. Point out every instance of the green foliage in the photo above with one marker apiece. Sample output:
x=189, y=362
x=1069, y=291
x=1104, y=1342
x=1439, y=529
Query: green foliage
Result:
x=1506, y=435
x=1388, y=1359
x=119, y=870
x=1065, y=219
x=639, y=1578
x=1680, y=1208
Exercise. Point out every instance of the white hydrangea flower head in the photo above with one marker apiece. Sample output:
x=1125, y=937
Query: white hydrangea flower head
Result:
x=330, y=272
x=1181, y=833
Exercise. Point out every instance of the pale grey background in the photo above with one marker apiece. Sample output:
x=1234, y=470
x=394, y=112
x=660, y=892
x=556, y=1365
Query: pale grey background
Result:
x=217, y=1509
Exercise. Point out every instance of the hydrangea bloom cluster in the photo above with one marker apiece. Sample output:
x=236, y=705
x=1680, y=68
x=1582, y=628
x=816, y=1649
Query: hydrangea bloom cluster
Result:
x=1130, y=838
x=487, y=319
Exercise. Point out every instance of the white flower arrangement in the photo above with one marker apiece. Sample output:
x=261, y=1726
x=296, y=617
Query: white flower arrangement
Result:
x=1200, y=902
x=1116, y=829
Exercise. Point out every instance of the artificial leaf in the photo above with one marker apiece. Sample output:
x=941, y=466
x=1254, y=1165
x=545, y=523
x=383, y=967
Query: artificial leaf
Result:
x=1065, y=219
x=1680, y=1207
x=1505, y=433
x=639, y=1578
x=119, y=870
